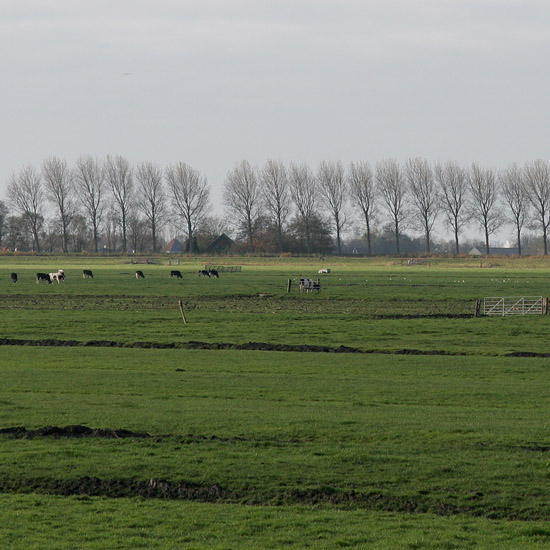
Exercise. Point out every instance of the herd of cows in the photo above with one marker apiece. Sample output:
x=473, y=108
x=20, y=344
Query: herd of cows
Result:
x=59, y=276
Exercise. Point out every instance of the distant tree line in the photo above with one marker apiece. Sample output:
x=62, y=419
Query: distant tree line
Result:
x=110, y=205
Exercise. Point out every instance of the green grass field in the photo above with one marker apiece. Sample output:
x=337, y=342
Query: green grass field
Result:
x=432, y=433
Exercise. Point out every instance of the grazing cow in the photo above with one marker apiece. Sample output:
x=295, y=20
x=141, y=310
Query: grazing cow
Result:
x=204, y=273
x=176, y=274
x=140, y=275
x=214, y=273
x=309, y=285
x=43, y=277
x=324, y=270
x=59, y=276
x=13, y=277
x=87, y=274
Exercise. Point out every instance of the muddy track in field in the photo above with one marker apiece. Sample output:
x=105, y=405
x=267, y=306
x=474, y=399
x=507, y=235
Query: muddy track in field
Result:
x=189, y=491
x=155, y=488
x=251, y=346
x=78, y=431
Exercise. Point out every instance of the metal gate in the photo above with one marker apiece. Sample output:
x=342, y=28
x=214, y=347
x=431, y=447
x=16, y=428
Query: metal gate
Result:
x=515, y=305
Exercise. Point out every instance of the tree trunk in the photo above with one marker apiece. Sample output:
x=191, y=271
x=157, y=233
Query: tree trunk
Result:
x=427, y=231
x=369, y=250
x=189, y=236
x=250, y=236
x=154, y=235
x=124, y=241
x=396, y=225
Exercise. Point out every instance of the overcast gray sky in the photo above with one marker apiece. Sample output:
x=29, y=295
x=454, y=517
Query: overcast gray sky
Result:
x=214, y=82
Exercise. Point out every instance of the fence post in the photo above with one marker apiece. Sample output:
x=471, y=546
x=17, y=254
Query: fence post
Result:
x=545, y=306
x=478, y=308
x=289, y=284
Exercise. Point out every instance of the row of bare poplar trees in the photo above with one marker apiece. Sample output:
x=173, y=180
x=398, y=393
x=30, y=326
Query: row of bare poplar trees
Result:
x=400, y=195
x=411, y=194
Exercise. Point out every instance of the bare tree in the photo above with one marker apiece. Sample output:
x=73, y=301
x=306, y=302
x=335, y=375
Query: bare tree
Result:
x=391, y=183
x=25, y=192
x=537, y=183
x=151, y=197
x=276, y=195
x=423, y=191
x=453, y=189
x=515, y=196
x=333, y=189
x=58, y=181
x=363, y=193
x=483, y=186
x=90, y=185
x=242, y=196
x=118, y=173
x=303, y=193
x=191, y=197
x=4, y=212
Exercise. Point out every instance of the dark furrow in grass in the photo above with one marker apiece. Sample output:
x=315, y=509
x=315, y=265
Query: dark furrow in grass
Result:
x=78, y=431
x=325, y=496
x=255, y=346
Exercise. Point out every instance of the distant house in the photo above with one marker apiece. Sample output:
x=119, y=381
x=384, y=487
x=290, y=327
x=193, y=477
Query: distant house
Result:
x=220, y=245
x=495, y=251
x=173, y=247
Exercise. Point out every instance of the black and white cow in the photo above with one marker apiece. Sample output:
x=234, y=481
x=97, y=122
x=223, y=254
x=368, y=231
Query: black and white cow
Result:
x=214, y=273
x=43, y=277
x=140, y=275
x=13, y=277
x=59, y=276
x=176, y=274
x=309, y=285
x=87, y=274
x=204, y=273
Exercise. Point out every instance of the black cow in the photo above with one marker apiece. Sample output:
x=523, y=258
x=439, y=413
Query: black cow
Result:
x=140, y=275
x=13, y=277
x=43, y=277
x=87, y=274
x=176, y=274
x=204, y=273
x=214, y=273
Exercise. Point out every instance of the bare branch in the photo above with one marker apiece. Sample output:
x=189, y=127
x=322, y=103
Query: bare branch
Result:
x=151, y=197
x=276, y=195
x=191, y=197
x=391, y=183
x=333, y=189
x=424, y=195
x=27, y=197
x=362, y=189
x=90, y=184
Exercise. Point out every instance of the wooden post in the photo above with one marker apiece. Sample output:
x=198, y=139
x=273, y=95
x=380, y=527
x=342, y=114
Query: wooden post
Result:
x=545, y=306
x=289, y=284
x=478, y=308
x=180, y=303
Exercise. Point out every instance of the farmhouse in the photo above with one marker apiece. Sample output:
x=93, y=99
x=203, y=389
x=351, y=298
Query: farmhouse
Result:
x=173, y=247
x=220, y=245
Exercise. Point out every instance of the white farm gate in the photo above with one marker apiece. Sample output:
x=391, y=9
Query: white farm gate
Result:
x=515, y=305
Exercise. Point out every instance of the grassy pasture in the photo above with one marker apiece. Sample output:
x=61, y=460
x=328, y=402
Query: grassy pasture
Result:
x=368, y=305
x=317, y=450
